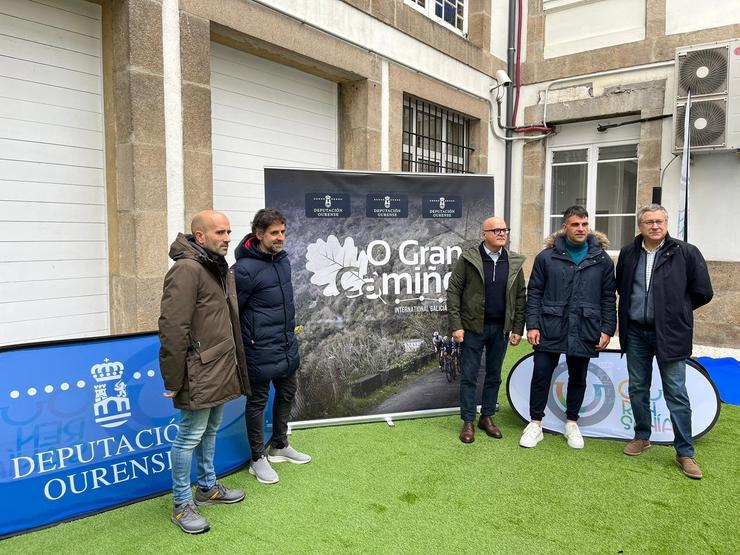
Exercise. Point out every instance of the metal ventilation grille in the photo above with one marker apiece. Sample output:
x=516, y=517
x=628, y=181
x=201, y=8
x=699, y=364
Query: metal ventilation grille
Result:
x=703, y=71
x=707, y=125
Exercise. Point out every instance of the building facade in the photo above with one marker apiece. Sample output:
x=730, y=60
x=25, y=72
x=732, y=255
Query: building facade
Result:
x=121, y=119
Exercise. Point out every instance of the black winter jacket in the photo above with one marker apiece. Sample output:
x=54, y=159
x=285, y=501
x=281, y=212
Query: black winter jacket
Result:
x=681, y=284
x=266, y=311
x=572, y=305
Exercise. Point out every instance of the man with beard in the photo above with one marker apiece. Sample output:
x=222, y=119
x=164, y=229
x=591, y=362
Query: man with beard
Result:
x=201, y=360
x=571, y=310
x=267, y=322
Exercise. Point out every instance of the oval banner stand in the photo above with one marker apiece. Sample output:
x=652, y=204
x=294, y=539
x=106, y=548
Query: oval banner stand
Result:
x=606, y=411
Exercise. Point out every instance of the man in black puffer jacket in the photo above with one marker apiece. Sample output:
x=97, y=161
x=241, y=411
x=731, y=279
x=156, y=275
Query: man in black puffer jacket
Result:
x=571, y=309
x=267, y=321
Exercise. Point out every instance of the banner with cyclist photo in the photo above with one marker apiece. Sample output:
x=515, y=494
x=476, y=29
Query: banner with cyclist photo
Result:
x=371, y=255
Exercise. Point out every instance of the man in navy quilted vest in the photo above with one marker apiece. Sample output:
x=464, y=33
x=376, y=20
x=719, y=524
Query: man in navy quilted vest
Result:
x=267, y=321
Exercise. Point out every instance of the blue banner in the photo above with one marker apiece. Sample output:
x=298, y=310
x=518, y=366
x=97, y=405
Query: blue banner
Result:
x=85, y=427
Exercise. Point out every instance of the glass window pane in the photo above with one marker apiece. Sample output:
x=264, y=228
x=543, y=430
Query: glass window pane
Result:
x=568, y=187
x=454, y=138
x=566, y=156
x=619, y=229
x=615, y=152
x=407, y=125
x=616, y=187
x=556, y=223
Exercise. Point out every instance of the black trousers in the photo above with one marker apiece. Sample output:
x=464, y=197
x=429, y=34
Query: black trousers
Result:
x=285, y=390
x=539, y=390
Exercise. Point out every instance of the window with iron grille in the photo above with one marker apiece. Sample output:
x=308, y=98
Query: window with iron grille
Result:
x=435, y=139
x=450, y=13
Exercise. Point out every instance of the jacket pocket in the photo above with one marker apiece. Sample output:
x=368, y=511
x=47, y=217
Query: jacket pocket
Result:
x=590, y=324
x=552, y=321
x=210, y=374
x=215, y=352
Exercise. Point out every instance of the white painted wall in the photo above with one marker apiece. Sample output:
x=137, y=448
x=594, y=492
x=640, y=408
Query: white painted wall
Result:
x=264, y=114
x=683, y=16
x=53, y=235
x=582, y=26
x=355, y=25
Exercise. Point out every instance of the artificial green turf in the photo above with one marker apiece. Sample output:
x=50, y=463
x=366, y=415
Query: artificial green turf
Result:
x=414, y=488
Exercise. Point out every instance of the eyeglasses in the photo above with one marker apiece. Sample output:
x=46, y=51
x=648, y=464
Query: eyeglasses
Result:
x=498, y=230
x=651, y=223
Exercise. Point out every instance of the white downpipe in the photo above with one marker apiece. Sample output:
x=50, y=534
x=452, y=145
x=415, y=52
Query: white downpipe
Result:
x=173, y=118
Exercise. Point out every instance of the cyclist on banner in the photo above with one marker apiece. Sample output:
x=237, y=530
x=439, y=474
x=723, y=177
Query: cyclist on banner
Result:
x=437, y=343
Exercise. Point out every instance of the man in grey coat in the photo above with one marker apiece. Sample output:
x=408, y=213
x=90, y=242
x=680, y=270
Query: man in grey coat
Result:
x=201, y=359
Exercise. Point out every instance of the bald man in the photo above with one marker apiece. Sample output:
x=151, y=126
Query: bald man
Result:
x=201, y=359
x=486, y=302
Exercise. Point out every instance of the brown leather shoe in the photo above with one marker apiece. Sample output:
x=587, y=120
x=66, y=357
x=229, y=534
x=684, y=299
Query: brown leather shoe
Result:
x=486, y=424
x=636, y=447
x=467, y=434
x=689, y=467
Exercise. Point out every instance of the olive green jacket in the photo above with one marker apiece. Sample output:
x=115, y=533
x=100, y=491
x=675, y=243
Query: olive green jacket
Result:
x=466, y=293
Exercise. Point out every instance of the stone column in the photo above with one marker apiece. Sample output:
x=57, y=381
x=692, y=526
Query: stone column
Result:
x=359, y=126
x=195, y=52
x=135, y=156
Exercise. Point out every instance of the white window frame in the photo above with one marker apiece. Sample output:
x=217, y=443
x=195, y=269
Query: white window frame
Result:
x=429, y=10
x=592, y=162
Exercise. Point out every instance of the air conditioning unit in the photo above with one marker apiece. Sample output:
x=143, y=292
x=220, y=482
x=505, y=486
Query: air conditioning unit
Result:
x=712, y=73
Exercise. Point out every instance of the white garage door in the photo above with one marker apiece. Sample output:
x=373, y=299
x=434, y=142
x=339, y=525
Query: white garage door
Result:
x=264, y=114
x=53, y=239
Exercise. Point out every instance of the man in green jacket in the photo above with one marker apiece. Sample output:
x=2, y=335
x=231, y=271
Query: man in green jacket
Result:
x=486, y=301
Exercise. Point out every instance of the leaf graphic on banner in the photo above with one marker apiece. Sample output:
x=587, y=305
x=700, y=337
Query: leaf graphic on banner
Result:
x=352, y=276
x=325, y=259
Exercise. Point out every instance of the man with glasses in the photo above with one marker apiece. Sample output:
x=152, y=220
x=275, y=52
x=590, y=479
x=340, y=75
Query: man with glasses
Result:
x=661, y=281
x=486, y=299
x=571, y=311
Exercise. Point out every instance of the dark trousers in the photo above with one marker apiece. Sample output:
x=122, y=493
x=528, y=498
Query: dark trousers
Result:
x=494, y=341
x=539, y=390
x=285, y=389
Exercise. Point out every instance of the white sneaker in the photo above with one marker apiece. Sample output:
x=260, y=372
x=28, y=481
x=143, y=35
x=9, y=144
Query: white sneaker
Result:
x=287, y=454
x=262, y=470
x=573, y=435
x=531, y=436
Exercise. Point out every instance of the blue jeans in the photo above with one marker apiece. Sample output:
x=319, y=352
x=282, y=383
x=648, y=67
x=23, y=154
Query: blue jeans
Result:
x=494, y=340
x=640, y=352
x=197, y=432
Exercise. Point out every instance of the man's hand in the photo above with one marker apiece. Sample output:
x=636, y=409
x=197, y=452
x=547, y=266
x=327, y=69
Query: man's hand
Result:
x=169, y=394
x=533, y=336
x=458, y=335
x=515, y=338
x=603, y=342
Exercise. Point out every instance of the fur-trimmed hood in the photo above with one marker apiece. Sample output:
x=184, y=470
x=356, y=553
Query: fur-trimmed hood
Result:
x=598, y=237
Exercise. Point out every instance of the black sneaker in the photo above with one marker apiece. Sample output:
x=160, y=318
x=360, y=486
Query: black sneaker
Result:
x=218, y=494
x=190, y=521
